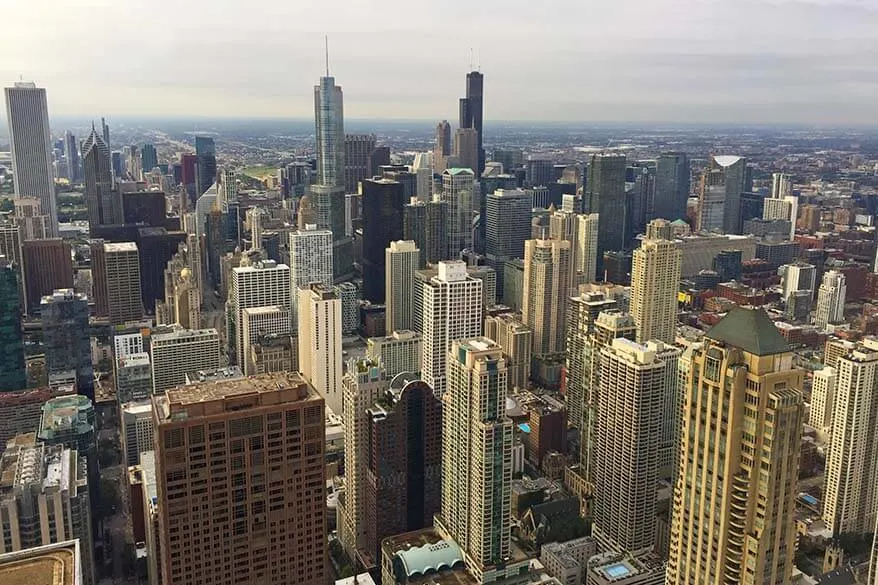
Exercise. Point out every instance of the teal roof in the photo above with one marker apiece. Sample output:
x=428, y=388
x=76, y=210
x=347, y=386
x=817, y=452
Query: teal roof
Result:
x=459, y=171
x=750, y=330
x=431, y=558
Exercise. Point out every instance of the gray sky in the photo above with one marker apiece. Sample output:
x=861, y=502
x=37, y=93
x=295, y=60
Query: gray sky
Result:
x=585, y=60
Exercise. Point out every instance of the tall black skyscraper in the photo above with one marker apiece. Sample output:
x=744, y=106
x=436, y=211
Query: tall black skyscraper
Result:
x=471, y=111
x=672, y=184
x=148, y=157
x=205, y=156
x=71, y=152
x=383, y=204
x=13, y=374
x=605, y=195
x=101, y=199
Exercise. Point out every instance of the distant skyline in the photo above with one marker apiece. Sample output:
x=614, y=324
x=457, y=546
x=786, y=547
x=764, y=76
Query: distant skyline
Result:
x=697, y=61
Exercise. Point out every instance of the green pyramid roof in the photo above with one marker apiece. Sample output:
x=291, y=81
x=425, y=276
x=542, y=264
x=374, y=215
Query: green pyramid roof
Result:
x=750, y=330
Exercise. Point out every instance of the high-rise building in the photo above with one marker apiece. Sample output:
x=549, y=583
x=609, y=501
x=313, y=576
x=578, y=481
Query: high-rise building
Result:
x=831, y=299
x=672, y=184
x=850, y=497
x=783, y=209
x=719, y=198
x=655, y=281
x=205, y=163
x=30, y=219
x=357, y=160
x=820, y=414
x=507, y=226
x=48, y=266
x=458, y=192
x=452, y=309
x=798, y=276
x=605, y=195
x=781, y=185
x=310, y=259
x=11, y=250
x=133, y=377
x=401, y=261
x=547, y=265
x=180, y=352
x=137, y=430
x=477, y=456
x=437, y=230
x=733, y=513
x=27, y=115
x=414, y=228
x=13, y=373
x=122, y=266
x=398, y=352
x=510, y=158
x=148, y=158
x=66, y=339
x=245, y=457
x=628, y=433
x=263, y=284
x=383, y=203
x=516, y=339
x=256, y=323
x=320, y=355
x=442, y=146
x=71, y=153
x=466, y=148
x=586, y=246
x=44, y=498
x=472, y=111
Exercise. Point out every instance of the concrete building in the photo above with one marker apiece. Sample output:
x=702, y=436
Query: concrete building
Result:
x=831, y=299
x=744, y=372
x=568, y=561
x=547, y=266
x=180, y=352
x=458, y=191
x=310, y=259
x=401, y=261
x=452, y=309
x=798, y=276
x=784, y=208
x=137, y=430
x=822, y=408
x=275, y=353
x=655, y=281
x=258, y=322
x=586, y=247
x=263, y=284
x=66, y=340
x=719, y=196
x=516, y=339
x=507, y=226
x=122, y=277
x=351, y=299
x=699, y=252
x=275, y=423
x=358, y=150
x=59, y=564
x=398, y=352
x=672, y=184
x=133, y=377
x=21, y=412
x=47, y=266
x=320, y=354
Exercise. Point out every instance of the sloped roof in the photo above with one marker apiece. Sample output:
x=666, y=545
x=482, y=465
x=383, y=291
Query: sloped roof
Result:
x=750, y=330
x=431, y=558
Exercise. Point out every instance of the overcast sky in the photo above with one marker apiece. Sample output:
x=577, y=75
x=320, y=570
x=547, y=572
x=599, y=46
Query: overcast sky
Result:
x=785, y=61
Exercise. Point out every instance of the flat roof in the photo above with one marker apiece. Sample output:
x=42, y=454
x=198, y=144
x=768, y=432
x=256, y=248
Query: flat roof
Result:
x=208, y=391
x=120, y=247
x=54, y=564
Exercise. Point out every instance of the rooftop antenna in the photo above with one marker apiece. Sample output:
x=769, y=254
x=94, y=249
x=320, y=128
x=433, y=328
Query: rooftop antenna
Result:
x=479, y=61
x=326, y=41
x=470, y=58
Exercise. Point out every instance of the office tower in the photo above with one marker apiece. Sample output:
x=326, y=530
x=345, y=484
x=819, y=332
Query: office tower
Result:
x=586, y=246
x=44, y=498
x=628, y=433
x=720, y=195
x=831, y=299
x=730, y=501
x=310, y=260
x=727, y=265
x=263, y=284
x=797, y=276
x=442, y=146
x=30, y=219
x=510, y=158
x=133, y=377
x=13, y=374
x=403, y=462
x=383, y=203
x=785, y=210
x=452, y=309
x=604, y=194
x=437, y=230
x=424, y=178
x=398, y=352
x=148, y=158
x=539, y=172
x=507, y=226
x=226, y=188
x=350, y=296
x=137, y=430
x=364, y=383
x=414, y=228
x=180, y=352
x=357, y=152
x=458, y=192
x=850, y=500
x=205, y=163
x=476, y=454
x=516, y=339
x=27, y=115
x=672, y=184
x=547, y=265
x=71, y=152
x=133, y=163
x=655, y=281
x=254, y=220
x=66, y=339
x=122, y=265
x=156, y=247
x=101, y=197
x=471, y=113
x=272, y=491
x=781, y=185
x=257, y=322
x=563, y=226
x=320, y=355
x=820, y=414
x=466, y=148
x=48, y=265
x=401, y=260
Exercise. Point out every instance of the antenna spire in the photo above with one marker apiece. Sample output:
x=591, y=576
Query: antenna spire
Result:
x=326, y=41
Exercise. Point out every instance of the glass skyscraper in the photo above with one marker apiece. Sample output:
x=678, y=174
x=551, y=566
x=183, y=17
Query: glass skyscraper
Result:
x=13, y=375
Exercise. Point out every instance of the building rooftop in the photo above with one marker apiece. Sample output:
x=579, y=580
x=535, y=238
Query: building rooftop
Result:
x=66, y=414
x=120, y=247
x=750, y=330
x=423, y=551
x=181, y=333
x=54, y=564
x=218, y=374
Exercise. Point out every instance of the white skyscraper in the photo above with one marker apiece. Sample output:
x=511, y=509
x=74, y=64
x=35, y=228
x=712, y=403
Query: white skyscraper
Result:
x=587, y=247
x=182, y=352
x=452, y=310
x=27, y=114
x=781, y=185
x=655, y=281
x=320, y=357
x=310, y=259
x=264, y=284
x=401, y=261
x=823, y=399
x=831, y=299
x=457, y=190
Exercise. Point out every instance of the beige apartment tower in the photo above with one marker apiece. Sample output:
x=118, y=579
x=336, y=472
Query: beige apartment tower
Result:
x=240, y=480
x=181, y=352
x=734, y=499
x=401, y=260
x=655, y=281
x=124, y=300
x=547, y=266
x=320, y=357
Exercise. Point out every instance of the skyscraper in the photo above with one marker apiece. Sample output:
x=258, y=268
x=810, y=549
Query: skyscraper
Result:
x=180, y=352
x=269, y=490
x=401, y=261
x=719, y=198
x=458, y=192
x=13, y=374
x=547, y=265
x=71, y=152
x=586, y=246
x=831, y=299
x=27, y=114
x=732, y=520
x=437, y=230
x=258, y=322
x=655, y=281
x=263, y=284
x=48, y=266
x=452, y=309
x=124, y=298
x=30, y=218
x=101, y=197
x=466, y=148
x=414, y=227
x=320, y=354
x=357, y=160
x=205, y=163
x=383, y=203
x=605, y=195
x=476, y=456
x=672, y=185
x=781, y=185
x=66, y=339
x=507, y=226
x=148, y=158
x=471, y=113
